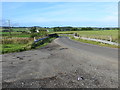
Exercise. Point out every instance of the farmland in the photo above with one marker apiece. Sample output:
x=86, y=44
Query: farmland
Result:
x=19, y=40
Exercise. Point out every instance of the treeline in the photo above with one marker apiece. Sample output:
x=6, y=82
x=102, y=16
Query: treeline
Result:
x=81, y=29
x=7, y=27
x=68, y=28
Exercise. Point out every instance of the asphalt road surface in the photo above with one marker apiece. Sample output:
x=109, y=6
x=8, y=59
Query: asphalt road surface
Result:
x=64, y=63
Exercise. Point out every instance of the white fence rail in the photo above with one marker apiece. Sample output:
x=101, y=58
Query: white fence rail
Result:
x=97, y=40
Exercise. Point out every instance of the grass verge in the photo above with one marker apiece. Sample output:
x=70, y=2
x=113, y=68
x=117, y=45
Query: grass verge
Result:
x=9, y=48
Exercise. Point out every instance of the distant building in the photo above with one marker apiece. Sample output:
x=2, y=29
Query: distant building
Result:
x=37, y=31
x=29, y=31
x=48, y=31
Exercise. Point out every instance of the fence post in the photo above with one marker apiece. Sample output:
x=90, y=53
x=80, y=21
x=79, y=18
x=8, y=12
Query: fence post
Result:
x=110, y=38
x=34, y=39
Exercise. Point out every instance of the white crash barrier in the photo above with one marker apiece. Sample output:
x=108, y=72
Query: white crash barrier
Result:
x=97, y=40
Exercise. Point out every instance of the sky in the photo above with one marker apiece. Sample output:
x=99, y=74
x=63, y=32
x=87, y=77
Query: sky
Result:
x=52, y=14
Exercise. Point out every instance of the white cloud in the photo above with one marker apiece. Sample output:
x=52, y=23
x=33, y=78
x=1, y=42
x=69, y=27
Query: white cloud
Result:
x=63, y=14
x=107, y=19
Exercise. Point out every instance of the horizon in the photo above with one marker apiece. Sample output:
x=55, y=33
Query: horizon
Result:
x=54, y=14
x=55, y=26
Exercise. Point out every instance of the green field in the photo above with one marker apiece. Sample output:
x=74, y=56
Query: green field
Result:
x=20, y=29
x=6, y=48
x=16, y=29
x=101, y=34
x=9, y=33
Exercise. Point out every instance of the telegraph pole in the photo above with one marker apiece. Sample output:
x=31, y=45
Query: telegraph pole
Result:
x=9, y=27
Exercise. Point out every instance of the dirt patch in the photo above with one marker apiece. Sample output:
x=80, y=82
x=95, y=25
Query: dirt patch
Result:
x=64, y=80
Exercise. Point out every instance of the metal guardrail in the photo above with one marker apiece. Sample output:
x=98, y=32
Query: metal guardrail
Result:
x=50, y=35
x=98, y=40
x=40, y=39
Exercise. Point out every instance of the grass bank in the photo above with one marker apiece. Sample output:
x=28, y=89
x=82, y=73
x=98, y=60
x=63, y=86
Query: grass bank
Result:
x=16, y=44
x=41, y=43
x=10, y=45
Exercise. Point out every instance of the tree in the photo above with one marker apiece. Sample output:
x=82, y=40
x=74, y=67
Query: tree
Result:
x=76, y=34
x=75, y=29
x=57, y=29
x=33, y=29
x=87, y=28
x=43, y=32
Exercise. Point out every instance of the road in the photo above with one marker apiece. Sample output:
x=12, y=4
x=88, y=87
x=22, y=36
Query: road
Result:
x=64, y=63
x=110, y=53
